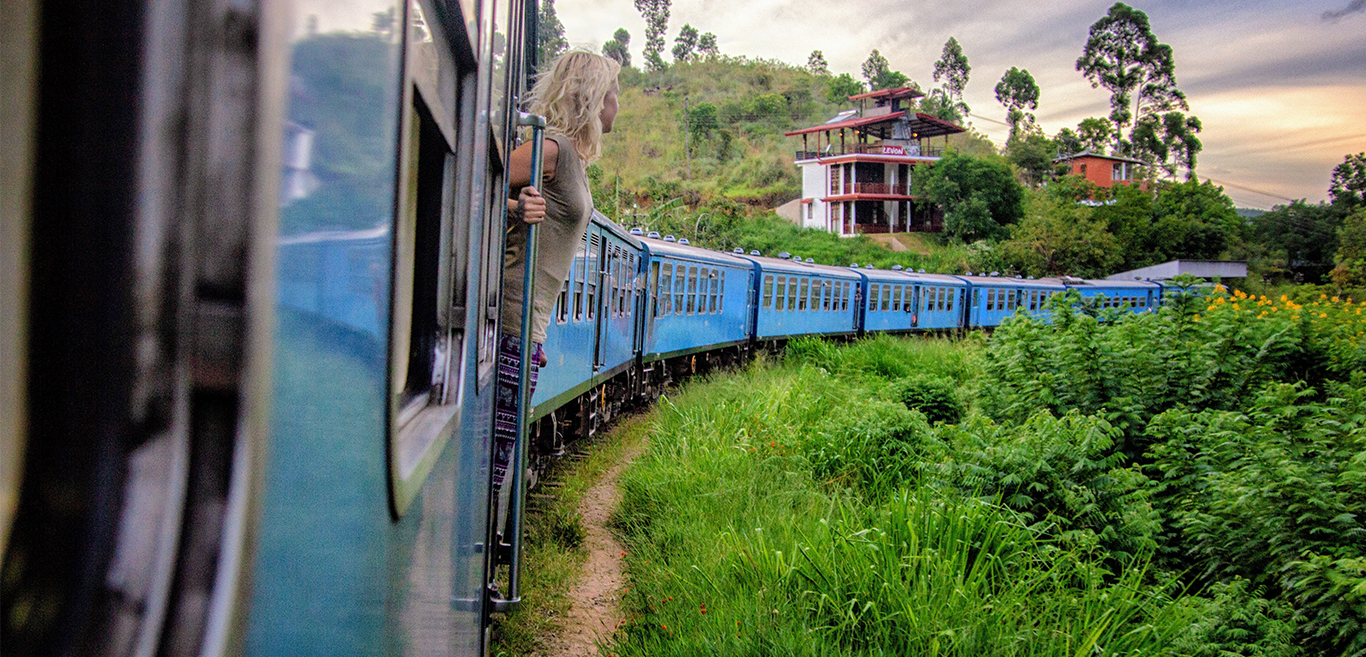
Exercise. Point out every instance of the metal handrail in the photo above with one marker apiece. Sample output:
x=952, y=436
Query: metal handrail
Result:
x=517, y=477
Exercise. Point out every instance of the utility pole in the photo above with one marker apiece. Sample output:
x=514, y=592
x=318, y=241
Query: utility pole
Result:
x=687, y=139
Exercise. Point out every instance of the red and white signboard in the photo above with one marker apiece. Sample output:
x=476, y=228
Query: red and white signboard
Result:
x=893, y=150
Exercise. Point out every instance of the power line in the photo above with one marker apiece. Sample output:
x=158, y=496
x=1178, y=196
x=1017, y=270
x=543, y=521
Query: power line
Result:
x=1249, y=189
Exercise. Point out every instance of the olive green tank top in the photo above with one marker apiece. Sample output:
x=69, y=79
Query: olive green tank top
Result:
x=568, y=207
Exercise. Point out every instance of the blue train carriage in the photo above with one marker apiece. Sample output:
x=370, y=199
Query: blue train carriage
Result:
x=591, y=340
x=994, y=298
x=899, y=300
x=1130, y=296
x=698, y=301
x=803, y=298
x=375, y=513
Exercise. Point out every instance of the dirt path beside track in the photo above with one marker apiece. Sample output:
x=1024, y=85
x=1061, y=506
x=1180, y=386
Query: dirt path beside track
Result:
x=595, y=609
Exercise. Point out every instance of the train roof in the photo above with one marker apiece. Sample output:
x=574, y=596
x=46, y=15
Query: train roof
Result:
x=798, y=267
x=906, y=275
x=616, y=229
x=1081, y=284
x=1036, y=283
x=676, y=250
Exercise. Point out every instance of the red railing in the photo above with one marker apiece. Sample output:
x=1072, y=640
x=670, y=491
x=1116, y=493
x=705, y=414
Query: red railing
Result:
x=876, y=188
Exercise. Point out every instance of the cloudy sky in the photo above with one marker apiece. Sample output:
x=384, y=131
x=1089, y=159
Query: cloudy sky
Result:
x=1280, y=86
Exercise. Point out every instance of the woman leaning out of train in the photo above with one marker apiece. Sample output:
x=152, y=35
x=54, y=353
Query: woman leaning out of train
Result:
x=578, y=98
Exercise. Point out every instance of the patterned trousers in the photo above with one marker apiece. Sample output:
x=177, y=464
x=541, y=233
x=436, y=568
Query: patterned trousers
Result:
x=505, y=404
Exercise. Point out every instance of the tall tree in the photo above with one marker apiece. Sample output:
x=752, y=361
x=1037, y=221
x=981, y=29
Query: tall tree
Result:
x=1068, y=142
x=685, y=44
x=1096, y=134
x=619, y=47
x=816, y=63
x=1018, y=92
x=550, y=41
x=1123, y=56
x=879, y=74
x=1168, y=141
x=839, y=88
x=1348, y=187
x=706, y=45
x=656, y=15
x=939, y=105
x=952, y=69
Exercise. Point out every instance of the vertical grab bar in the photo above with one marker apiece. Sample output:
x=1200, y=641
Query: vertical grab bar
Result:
x=517, y=478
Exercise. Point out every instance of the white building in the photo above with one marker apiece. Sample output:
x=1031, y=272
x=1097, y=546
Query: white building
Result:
x=861, y=184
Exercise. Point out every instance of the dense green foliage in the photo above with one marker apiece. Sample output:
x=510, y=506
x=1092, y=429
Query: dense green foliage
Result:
x=1186, y=481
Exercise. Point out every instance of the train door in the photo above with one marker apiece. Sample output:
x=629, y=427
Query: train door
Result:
x=913, y=305
x=598, y=309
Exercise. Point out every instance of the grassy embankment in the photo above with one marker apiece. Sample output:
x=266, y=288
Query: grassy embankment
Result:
x=1179, y=483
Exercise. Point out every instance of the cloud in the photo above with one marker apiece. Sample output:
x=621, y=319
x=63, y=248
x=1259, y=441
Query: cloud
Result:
x=1353, y=7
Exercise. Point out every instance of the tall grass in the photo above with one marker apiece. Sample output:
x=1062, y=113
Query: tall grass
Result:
x=756, y=525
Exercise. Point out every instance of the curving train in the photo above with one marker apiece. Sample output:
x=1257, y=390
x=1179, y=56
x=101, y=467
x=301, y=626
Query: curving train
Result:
x=639, y=310
x=250, y=279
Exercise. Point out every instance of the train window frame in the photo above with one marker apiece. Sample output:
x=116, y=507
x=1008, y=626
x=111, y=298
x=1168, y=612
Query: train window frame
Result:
x=803, y=293
x=897, y=293
x=580, y=266
x=652, y=288
x=780, y=294
x=949, y=296
x=715, y=278
x=943, y=299
x=593, y=284
x=991, y=299
x=666, y=289
x=429, y=275
x=848, y=294
x=680, y=287
x=768, y=291
x=692, y=290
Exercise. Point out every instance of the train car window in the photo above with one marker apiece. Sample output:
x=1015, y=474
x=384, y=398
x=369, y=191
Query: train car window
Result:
x=1143, y=302
x=715, y=280
x=801, y=293
x=828, y=295
x=791, y=293
x=581, y=274
x=680, y=288
x=874, y=290
x=991, y=299
x=976, y=297
x=943, y=298
x=953, y=294
x=780, y=294
x=666, y=282
x=594, y=275
x=768, y=290
x=653, y=288
x=896, y=297
x=562, y=303
x=692, y=290
x=839, y=295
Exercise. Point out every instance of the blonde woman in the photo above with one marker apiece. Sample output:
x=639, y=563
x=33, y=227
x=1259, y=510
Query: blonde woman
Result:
x=578, y=98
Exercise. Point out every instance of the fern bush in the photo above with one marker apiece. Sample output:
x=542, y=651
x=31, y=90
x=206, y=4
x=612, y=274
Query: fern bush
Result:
x=934, y=396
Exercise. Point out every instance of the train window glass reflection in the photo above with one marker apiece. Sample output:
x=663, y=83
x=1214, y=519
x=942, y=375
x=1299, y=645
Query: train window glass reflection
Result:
x=780, y=296
x=802, y=293
x=768, y=290
x=791, y=292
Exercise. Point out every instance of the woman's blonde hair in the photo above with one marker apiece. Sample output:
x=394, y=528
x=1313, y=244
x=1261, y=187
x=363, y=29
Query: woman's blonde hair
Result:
x=570, y=95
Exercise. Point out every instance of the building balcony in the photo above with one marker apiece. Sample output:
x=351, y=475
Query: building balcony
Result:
x=874, y=149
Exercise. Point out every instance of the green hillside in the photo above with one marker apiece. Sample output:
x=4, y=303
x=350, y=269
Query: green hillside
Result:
x=715, y=172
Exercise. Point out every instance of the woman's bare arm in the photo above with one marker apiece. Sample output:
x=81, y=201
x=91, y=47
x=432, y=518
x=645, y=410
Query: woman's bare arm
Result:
x=519, y=174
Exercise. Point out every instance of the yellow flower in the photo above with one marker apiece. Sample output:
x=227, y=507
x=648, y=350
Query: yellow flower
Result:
x=1235, y=307
x=1335, y=299
x=1322, y=315
x=1323, y=296
x=1197, y=318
